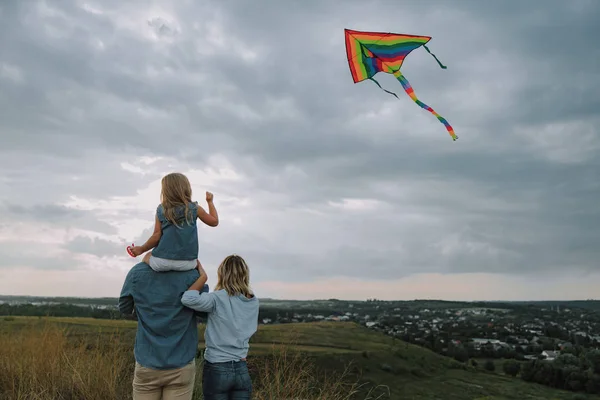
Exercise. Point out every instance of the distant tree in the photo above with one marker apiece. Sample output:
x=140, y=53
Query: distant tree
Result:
x=566, y=359
x=545, y=374
x=574, y=378
x=438, y=345
x=593, y=383
x=548, y=345
x=511, y=367
x=505, y=353
x=528, y=371
x=592, y=358
x=473, y=352
x=490, y=366
x=460, y=354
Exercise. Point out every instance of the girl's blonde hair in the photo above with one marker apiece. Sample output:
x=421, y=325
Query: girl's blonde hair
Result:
x=176, y=191
x=234, y=276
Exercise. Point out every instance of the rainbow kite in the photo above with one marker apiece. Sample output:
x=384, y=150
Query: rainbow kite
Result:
x=373, y=52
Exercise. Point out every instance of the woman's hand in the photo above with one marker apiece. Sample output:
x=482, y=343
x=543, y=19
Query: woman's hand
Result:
x=201, y=281
x=200, y=269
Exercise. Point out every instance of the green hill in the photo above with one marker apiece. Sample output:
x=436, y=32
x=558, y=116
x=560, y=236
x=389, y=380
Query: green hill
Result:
x=389, y=368
x=408, y=371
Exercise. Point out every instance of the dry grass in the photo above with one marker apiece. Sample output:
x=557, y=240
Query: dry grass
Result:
x=289, y=374
x=42, y=363
x=45, y=364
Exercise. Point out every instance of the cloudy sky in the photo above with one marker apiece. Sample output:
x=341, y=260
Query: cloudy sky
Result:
x=327, y=188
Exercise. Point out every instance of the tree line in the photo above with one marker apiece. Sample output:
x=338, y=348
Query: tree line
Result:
x=576, y=373
x=70, y=310
x=568, y=371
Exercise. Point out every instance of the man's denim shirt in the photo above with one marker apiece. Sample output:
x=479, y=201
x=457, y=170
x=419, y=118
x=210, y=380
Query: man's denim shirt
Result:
x=167, y=331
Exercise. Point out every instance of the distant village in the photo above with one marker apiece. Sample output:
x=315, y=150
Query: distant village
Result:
x=526, y=333
x=462, y=332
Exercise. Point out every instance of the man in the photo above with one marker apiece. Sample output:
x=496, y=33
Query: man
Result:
x=167, y=334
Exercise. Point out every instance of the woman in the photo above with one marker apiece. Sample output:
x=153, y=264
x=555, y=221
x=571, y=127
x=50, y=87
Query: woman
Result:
x=232, y=320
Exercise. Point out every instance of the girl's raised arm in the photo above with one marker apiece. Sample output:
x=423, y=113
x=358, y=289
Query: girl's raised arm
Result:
x=212, y=217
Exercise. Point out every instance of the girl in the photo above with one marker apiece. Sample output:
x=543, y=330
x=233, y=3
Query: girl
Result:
x=175, y=237
x=232, y=320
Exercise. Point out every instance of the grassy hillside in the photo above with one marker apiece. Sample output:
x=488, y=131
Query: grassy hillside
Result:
x=93, y=359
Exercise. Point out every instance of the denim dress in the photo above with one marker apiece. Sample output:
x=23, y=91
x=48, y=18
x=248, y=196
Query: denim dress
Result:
x=178, y=242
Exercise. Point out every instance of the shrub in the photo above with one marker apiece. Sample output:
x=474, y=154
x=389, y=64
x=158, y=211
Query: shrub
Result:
x=511, y=367
x=460, y=354
x=489, y=366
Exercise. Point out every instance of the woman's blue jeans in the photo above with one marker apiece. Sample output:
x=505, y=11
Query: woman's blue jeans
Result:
x=226, y=381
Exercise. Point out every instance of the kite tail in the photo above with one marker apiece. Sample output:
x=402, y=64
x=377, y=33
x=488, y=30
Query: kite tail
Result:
x=387, y=91
x=436, y=59
x=409, y=90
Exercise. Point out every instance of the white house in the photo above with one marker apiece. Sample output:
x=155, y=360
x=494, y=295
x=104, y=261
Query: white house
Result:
x=550, y=355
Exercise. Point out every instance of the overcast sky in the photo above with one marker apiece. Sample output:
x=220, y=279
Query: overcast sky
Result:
x=326, y=187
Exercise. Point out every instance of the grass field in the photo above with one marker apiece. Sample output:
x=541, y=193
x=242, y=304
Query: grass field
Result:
x=78, y=358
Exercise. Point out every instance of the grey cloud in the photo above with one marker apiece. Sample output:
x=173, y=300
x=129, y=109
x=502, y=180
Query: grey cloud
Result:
x=162, y=27
x=515, y=193
x=31, y=180
x=19, y=253
x=57, y=215
x=97, y=247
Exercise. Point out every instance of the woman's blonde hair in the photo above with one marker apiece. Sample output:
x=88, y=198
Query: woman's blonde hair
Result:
x=234, y=276
x=176, y=191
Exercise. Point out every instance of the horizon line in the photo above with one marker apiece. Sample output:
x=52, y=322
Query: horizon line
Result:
x=331, y=299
